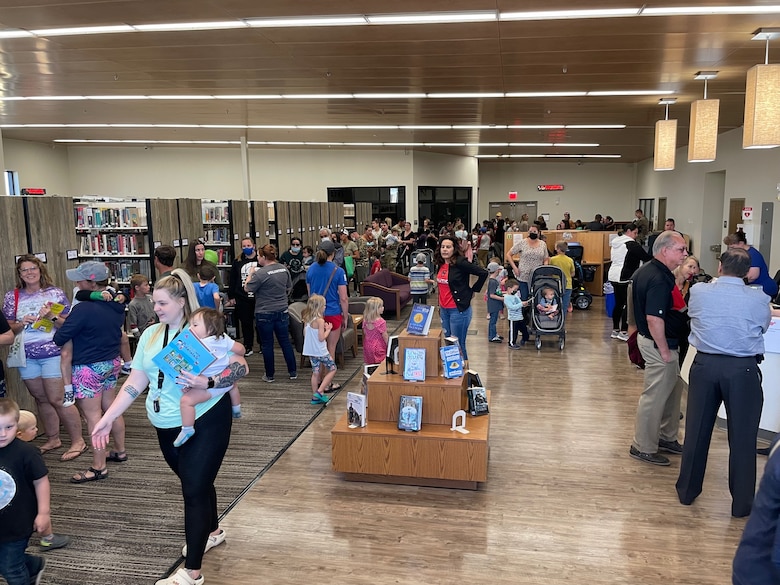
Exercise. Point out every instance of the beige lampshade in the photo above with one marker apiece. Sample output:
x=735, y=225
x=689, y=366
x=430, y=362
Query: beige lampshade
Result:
x=762, y=107
x=665, y=145
x=703, y=133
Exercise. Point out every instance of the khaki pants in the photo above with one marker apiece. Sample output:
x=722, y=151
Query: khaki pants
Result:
x=658, y=413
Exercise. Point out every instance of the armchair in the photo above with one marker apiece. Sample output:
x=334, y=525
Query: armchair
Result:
x=348, y=338
x=391, y=287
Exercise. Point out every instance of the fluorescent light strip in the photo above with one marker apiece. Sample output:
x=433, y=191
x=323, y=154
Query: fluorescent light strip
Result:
x=325, y=96
x=434, y=17
x=320, y=127
x=602, y=156
x=566, y=14
x=316, y=143
x=535, y=94
x=185, y=26
x=393, y=19
x=82, y=30
x=356, y=20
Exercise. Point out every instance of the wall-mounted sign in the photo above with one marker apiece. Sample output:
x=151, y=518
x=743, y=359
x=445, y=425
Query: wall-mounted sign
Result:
x=513, y=195
x=549, y=187
x=33, y=191
x=747, y=213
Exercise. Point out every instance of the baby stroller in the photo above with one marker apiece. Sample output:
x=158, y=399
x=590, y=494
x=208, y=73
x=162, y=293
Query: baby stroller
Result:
x=542, y=278
x=428, y=259
x=580, y=297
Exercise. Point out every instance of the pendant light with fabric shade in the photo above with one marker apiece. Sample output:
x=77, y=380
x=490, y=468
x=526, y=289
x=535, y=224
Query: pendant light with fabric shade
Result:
x=762, y=99
x=665, y=140
x=703, y=131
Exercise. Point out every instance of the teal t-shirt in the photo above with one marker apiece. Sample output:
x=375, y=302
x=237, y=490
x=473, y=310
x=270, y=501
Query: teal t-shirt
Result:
x=169, y=417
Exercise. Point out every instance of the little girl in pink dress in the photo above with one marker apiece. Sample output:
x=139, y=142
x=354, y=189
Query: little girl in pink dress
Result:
x=374, y=332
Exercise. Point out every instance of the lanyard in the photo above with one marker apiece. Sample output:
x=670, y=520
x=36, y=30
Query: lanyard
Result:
x=160, y=378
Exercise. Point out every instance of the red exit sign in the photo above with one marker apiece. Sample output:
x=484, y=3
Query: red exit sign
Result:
x=549, y=187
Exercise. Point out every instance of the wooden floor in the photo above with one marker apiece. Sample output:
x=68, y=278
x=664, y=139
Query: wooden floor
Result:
x=564, y=502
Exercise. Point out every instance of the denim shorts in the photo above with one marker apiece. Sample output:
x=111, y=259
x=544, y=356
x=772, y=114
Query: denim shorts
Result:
x=41, y=368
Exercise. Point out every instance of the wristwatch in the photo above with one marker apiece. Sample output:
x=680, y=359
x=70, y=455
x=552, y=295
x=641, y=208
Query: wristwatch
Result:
x=54, y=319
x=210, y=383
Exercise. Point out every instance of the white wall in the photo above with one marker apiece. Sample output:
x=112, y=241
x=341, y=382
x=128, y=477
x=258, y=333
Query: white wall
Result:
x=589, y=188
x=752, y=174
x=39, y=165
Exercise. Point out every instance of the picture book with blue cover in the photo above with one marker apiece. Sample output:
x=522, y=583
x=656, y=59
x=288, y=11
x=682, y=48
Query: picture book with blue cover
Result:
x=410, y=413
x=452, y=360
x=184, y=353
x=420, y=319
x=414, y=364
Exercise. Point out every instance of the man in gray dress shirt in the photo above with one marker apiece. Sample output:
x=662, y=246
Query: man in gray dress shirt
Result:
x=728, y=320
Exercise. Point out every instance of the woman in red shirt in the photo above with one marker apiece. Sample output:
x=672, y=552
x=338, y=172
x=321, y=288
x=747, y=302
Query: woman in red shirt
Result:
x=455, y=293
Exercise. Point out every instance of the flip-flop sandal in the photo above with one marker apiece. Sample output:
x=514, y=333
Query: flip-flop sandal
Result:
x=117, y=456
x=72, y=454
x=47, y=449
x=82, y=477
x=332, y=388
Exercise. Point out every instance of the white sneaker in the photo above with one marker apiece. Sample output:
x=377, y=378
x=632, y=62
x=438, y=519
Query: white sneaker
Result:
x=214, y=540
x=615, y=333
x=181, y=577
x=623, y=336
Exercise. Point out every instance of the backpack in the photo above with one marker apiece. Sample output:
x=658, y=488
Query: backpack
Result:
x=338, y=257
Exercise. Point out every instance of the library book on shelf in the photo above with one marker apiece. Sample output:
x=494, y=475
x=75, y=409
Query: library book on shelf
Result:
x=414, y=364
x=420, y=319
x=410, y=413
x=356, y=410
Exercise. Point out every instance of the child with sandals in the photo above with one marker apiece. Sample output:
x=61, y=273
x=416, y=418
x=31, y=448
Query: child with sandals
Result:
x=315, y=348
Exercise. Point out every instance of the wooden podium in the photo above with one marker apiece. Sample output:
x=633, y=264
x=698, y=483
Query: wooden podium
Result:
x=434, y=456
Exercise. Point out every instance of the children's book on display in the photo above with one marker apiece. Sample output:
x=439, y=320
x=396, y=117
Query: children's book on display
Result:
x=420, y=319
x=410, y=413
x=393, y=355
x=368, y=369
x=414, y=364
x=356, y=410
x=184, y=353
x=452, y=361
x=473, y=379
x=478, y=404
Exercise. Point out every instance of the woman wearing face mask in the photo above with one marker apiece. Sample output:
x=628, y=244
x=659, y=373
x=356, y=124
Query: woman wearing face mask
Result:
x=244, y=301
x=533, y=252
x=293, y=258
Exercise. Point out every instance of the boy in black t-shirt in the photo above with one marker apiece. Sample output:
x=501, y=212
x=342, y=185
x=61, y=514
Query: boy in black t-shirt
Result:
x=24, y=500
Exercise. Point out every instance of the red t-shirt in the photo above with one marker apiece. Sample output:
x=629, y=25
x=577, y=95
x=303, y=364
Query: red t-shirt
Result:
x=445, y=295
x=678, y=302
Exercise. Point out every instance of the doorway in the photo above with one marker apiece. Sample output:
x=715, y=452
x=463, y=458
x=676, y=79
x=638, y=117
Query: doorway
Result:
x=765, y=238
x=661, y=211
x=735, y=214
x=647, y=206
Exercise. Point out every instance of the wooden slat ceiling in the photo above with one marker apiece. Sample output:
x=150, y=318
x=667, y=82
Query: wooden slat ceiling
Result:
x=634, y=53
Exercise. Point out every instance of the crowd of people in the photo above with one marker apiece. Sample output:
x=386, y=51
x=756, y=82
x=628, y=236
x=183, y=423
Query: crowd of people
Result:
x=74, y=352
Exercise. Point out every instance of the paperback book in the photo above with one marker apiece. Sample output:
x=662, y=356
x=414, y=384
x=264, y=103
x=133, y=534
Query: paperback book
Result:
x=356, y=410
x=414, y=364
x=368, y=369
x=420, y=319
x=473, y=379
x=410, y=414
x=452, y=360
x=184, y=353
x=47, y=325
x=393, y=356
x=478, y=404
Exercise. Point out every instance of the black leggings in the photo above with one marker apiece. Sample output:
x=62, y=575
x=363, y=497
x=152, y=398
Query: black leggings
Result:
x=196, y=463
x=245, y=313
x=620, y=312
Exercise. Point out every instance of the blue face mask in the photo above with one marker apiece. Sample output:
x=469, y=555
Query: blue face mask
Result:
x=248, y=251
x=295, y=249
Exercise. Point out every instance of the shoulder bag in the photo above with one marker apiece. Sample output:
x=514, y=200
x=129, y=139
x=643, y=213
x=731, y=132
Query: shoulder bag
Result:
x=16, y=356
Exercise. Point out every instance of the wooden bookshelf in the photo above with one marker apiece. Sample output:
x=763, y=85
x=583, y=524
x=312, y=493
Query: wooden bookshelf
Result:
x=434, y=456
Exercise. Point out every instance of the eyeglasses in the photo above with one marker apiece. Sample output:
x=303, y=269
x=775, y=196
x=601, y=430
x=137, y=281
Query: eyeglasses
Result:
x=26, y=270
x=680, y=249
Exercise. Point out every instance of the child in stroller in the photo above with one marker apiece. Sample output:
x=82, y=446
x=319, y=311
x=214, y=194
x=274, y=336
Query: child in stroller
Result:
x=548, y=304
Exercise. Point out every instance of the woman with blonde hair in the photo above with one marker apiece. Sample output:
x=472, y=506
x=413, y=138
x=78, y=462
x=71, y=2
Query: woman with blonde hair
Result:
x=197, y=461
x=30, y=300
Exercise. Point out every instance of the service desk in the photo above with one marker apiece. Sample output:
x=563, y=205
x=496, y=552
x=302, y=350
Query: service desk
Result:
x=769, y=424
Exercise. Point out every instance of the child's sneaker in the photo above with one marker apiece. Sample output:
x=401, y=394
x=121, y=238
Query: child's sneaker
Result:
x=319, y=399
x=267, y=379
x=623, y=336
x=184, y=436
x=126, y=369
x=615, y=333
x=54, y=541
x=496, y=339
x=236, y=411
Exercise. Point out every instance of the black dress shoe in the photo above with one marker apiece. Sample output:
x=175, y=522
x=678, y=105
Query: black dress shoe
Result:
x=653, y=458
x=670, y=446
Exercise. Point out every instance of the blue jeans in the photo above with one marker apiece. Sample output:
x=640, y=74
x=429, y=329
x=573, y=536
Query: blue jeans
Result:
x=16, y=566
x=565, y=302
x=492, y=332
x=525, y=290
x=456, y=323
x=270, y=324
